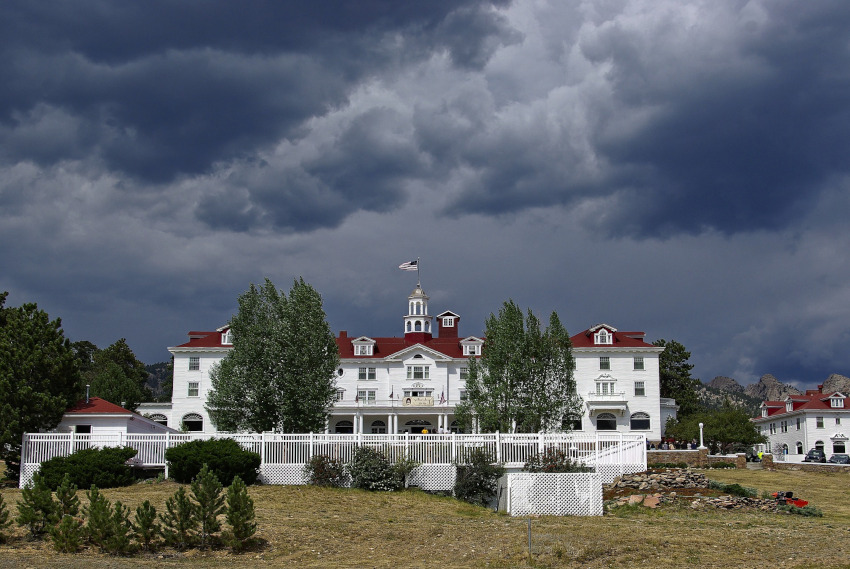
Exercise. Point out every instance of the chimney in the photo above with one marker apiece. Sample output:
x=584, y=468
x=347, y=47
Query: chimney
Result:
x=87, y=393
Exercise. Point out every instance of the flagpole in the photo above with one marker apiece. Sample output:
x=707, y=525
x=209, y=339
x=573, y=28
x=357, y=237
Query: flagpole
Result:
x=418, y=279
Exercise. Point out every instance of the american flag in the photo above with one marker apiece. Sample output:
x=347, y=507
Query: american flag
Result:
x=409, y=266
x=442, y=397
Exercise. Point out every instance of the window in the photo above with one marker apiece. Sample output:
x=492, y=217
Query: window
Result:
x=159, y=418
x=418, y=372
x=773, y=428
x=463, y=395
x=819, y=445
x=470, y=350
x=603, y=337
x=366, y=396
x=464, y=373
x=572, y=423
x=604, y=388
x=227, y=338
x=606, y=422
x=838, y=420
x=798, y=423
x=194, y=363
x=604, y=362
x=83, y=429
x=640, y=389
x=363, y=350
x=448, y=322
x=366, y=373
x=340, y=395
x=344, y=427
x=819, y=422
x=193, y=422
x=783, y=426
x=838, y=447
x=799, y=447
x=417, y=393
x=836, y=402
x=379, y=427
x=640, y=422
x=639, y=363
x=193, y=389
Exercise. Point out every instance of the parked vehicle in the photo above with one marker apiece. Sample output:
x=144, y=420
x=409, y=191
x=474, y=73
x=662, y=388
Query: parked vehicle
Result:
x=840, y=459
x=815, y=455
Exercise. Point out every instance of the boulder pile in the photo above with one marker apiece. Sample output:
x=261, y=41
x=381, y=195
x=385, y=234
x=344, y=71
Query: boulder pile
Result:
x=671, y=478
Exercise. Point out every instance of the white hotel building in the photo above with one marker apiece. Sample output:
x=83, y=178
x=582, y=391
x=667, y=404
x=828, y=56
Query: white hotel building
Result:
x=412, y=382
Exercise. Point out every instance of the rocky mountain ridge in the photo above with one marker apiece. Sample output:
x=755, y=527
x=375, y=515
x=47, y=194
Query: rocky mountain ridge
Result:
x=767, y=388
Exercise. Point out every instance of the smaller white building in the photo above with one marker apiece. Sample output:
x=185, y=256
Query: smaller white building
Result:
x=802, y=422
x=96, y=416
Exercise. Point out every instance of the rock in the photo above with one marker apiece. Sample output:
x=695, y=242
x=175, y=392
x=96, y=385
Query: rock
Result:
x=726, y=384
x=769, y=388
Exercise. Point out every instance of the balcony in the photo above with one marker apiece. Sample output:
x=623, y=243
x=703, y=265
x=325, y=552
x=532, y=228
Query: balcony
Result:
x=606, y=402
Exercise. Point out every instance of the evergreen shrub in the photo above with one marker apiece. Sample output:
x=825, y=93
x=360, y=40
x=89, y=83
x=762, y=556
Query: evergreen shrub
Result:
x=477, y=477
x=36, y=510
x=239, y=514
x=225, y=458
x=5, y=522
x=102, y=467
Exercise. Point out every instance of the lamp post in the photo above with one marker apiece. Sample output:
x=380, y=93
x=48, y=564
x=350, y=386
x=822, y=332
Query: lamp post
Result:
x=701, y=445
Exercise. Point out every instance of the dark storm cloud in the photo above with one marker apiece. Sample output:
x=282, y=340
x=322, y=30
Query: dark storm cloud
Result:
x=164, y=89
x=733, y=137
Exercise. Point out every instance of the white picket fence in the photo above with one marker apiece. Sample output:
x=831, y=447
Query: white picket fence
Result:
x=283, y=456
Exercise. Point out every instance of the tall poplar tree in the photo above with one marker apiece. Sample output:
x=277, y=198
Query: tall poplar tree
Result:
x=279, y=375
x=39, y=377
x=524, y=376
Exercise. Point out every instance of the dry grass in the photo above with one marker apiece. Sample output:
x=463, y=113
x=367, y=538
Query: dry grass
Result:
x=312, y=527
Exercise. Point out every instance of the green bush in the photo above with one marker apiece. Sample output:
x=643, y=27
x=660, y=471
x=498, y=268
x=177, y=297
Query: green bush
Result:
x=102, y=467
x=477, y=477
x=225, y=458
x=808, y=511
x=733, y=489
x=180, y=521
x=325, y=471
x=146, y=528
x=371, y=470
x=209, y=504
x=659, y=465
x=554, y=460
x=5, y=522
x=36, y=510
x=721, y=465
x=67, y=536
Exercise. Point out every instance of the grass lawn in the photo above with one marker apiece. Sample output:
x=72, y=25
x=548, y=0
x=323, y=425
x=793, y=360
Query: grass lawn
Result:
x=312, y=527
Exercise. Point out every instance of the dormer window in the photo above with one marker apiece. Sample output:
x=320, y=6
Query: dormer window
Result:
x=448, y=322
x=227, y=338
x=603, y=337
x=471, y=350
x=789, y=406
x=837, y=402
x=764, y=412
x=363, y=350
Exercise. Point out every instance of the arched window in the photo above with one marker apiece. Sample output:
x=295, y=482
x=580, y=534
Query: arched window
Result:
x=606, y=422
x=819, y=445
x=799, y=447
x=838, y=447
x=159, y=418
x=427, y=326
x=640, y=422
x=193, y=423
x=784, y=449
x=379, y=427
x=409, y=327
x=344, y=427
x=418, y=327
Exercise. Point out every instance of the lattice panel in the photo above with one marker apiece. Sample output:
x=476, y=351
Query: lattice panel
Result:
x=537, y=494
x=27, y=470
x=282, y=474
x=433, y=477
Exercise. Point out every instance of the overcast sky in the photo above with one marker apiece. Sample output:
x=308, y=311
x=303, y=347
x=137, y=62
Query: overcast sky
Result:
x=675, y=167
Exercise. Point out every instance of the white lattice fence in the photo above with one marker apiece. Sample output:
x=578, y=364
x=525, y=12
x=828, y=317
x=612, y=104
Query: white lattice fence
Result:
x=433, y=477
x=282, y=474
x=540, y=494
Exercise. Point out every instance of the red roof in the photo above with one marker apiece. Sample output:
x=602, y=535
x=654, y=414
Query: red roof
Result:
x=621, y=339
x=97, y=405
x=205, y=340
x=811, y=401
x=385, y=347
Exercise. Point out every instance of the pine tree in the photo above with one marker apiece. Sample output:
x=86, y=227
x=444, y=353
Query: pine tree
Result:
x=36, y=509
x=280, y=373
x=98, y=518
x=675, y=376
x=66, y=496
x=117, y=376
x=146, y=527
x=67, y=535
x=5, y=522
x=179, y=523
x=120, y=530
x=209, y=504
x=39, y=378
x=239, y=515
